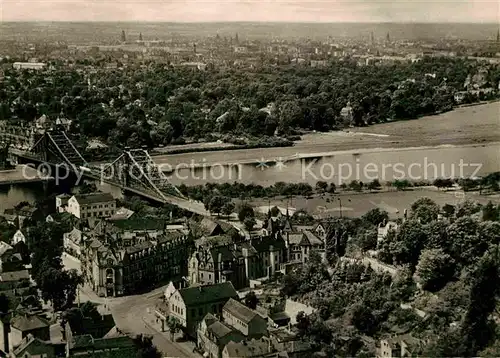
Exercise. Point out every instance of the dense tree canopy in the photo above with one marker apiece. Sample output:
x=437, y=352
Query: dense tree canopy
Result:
x=158, y=104
x=443, y=294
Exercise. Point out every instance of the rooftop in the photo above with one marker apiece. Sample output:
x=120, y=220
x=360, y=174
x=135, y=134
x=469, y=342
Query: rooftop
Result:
x=197, y=295
x=28, y=323
x=219, y=329
x=86, y=341
x=4, y=247
x=239, y=310
x=94, y=198
x=14, y=276
x=140, y=224
x=253, y=348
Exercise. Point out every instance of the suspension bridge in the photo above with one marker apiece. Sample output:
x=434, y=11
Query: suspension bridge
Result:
x=133, y=171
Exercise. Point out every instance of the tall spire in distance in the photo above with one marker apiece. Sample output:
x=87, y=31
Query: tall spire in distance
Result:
x=498, y=36
x=140, y=36
x=372, y=38
x=388, y=38
x=124, y=38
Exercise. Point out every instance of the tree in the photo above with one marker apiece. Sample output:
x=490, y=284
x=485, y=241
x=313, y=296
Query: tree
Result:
x=476, y=328
x=490, y=212
x=435, y=268
x=303, y=323
x=174, y=326
x=465, y=242
x=4, y=304
x=367, y=240
x=245, y=210
x=443, y=183
x=375, y=216
x=216, y=204
x=448, y=210
x=467, y=208
x=321, y=186
x=356, y=185
x=425, y=210
x=374, y=185
x=87, y=188
x=146, y=348
x=75, y=316
x=249, y=223
x=59, y=287
x=251, y=300
x=228, y=208
x=401, y=184
x=404, y=247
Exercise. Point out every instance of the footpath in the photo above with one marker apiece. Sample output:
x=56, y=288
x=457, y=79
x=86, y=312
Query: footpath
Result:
x=187, y=347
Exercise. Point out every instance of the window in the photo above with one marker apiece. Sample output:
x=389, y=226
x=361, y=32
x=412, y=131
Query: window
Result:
x=209, y=276
x=200, y=311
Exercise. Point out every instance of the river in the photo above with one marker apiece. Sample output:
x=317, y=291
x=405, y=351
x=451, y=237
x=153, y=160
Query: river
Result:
x=414, y=164
x=461, y=143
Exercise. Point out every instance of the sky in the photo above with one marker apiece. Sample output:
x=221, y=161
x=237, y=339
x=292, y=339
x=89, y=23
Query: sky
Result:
x=474, y=11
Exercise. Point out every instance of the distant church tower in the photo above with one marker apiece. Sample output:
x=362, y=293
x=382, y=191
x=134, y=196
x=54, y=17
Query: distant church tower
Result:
x=236, y=39
x=372, y=38
x=124, y=38
x=388, y=38
x=140, y=36
x=194, y=48
x=498, y=36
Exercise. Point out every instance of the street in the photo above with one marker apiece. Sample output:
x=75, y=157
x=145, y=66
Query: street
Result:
x=132, y=317
x=131, y=314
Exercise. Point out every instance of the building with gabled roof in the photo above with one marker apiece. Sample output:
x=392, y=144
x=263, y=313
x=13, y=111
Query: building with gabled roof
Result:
x=11, y=279
x=20, y=327
x=238, y=262
x=190, y=305
x=249, y=349
x=95, y=205
x=244, y=319
x=31, y=347
x=213, y=335
x=88, y=346
x=300, y=244
x=210, y=227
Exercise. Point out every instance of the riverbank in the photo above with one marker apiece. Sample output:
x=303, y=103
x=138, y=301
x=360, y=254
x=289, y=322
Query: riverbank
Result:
x=473, y=125
x=457, y=127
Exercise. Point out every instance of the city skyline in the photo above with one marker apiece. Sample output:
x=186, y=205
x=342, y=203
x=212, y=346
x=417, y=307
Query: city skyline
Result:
x=369, y=11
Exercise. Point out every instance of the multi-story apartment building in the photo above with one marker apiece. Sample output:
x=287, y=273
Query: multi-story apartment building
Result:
x=87, y=206
x=112, y=269
x=28, y=65
x=237, y=262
